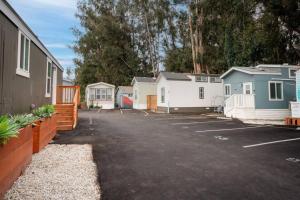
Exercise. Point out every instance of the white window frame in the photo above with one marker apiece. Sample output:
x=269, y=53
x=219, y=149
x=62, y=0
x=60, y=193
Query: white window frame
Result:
x=201, y=78
x=201, y=92
x=21, y=70
x=92, y=94
x=290, y=69
x=269, y=88
x=244, y=88
x=48, y=77
x=162, y=95
x=109, y=95
x=229, y=86
x=214, y=78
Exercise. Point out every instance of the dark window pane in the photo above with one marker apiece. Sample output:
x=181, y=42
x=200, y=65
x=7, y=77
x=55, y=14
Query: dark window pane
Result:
x=272, y=91
x=278, y=90
x=48, y=86
x=22, y=52
x=26, y=54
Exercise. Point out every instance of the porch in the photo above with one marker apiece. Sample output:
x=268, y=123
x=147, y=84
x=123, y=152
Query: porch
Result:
x=67, y=102
x=240, y=106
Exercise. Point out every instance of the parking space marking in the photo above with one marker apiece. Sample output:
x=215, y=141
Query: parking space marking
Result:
x=178, y=118
x=146, y=113
x=90, y=120
x=221, y=138
x=295, y=160
x=121, y=111
x=231, y=129
x=273, y=142
x=188, y=123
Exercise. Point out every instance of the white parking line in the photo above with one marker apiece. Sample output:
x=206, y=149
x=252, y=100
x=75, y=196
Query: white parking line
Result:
x=230, y=129
x=274, y=142
x=91, y=120
x=146, y=113
x=186, y=123
x=178, y=118
x=121, y=111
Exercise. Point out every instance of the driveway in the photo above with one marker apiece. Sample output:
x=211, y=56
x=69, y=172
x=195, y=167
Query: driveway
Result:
x=149, y=156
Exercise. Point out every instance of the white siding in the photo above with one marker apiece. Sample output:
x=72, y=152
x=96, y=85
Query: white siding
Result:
x=143, y=89
x=186, y=93
x=103, y=104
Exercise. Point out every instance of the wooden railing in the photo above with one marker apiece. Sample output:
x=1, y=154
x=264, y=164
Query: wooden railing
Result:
x=76, y=102
x=69, y=97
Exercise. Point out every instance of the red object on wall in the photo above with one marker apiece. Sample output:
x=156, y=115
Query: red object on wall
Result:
x=14, y=157
x=126, y=102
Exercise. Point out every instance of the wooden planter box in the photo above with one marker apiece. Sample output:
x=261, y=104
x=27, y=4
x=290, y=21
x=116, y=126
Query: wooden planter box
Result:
x=43, y=132
x=14, y=157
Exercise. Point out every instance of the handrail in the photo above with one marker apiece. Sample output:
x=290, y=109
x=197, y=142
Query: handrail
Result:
x=76, y=101
x=69, y=95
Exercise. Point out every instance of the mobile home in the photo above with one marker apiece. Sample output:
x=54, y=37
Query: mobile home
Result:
x=100, y=95
x=124, y=97
x=261, y=92
x=142, y=88
x=29, y=73
x=182, y=92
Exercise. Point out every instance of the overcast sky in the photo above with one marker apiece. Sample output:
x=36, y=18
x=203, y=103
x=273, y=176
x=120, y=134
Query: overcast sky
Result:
x=51, y=21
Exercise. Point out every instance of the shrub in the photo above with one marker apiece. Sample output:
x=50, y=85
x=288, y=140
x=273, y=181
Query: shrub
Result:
x=8, y=129
x=24, y=120
x=44, y=111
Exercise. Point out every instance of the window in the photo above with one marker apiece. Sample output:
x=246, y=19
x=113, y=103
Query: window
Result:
x=109, y=94
x=292, y=73
x=23, y=55
x=92, y=94
x=215, y=80
x=275, y=91
x=48, y=78
x=162, y=99
x=201, y=92
x=130, y=95
x=103, y=94
x=247, y=88
x=201, y=79
x=98, y=95
x=135, y=95
x=227, y=90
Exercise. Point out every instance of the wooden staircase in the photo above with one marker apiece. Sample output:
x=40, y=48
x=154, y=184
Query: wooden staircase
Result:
x=67, y=101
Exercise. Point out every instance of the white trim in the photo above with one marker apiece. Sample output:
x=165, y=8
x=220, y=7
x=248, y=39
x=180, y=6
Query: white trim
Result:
x=11, y=14
x=282, y=96
x=283, y=79
x=290, y=69
x=47, y=77
x=277, y=66
x=101, y=83
x=251, y=87
x=19, y=70
x=248, y=72
x=227, y=95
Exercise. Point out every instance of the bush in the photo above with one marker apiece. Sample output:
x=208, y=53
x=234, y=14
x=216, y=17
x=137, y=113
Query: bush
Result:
x=44, y=111
x=8, y=129
x=24, y=120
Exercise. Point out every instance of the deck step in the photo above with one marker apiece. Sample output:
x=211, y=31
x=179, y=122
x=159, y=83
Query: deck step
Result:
x=59, y=123
x=65, y=128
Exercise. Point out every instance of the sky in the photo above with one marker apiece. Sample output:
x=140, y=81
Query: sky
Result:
x=51, y=21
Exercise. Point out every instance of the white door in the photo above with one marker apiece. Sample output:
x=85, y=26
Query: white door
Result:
x=247, y=88
x=54, y=84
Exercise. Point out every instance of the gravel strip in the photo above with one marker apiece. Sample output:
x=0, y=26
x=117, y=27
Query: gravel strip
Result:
x=59, y=172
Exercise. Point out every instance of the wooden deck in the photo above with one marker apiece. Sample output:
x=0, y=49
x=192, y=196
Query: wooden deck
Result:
x=290, y=121
x=67, y=102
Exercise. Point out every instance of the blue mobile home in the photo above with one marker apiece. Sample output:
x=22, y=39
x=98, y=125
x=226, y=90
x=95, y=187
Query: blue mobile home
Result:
x=261, y=92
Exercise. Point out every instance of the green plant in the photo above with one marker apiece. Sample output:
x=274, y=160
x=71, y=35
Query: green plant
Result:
x=8, y=129
x=44, y=111
x=24, y=120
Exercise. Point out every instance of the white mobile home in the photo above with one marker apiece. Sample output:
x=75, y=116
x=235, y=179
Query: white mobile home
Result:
x=100, y=95
x=180, y=92
x=142, y=87
x=124, y=97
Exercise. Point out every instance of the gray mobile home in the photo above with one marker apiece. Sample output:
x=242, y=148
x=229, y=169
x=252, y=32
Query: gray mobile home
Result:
x=29, y=73
x=261, y=92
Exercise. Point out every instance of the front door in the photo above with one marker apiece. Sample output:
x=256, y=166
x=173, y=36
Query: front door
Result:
x=54, y=84
x=247, y=88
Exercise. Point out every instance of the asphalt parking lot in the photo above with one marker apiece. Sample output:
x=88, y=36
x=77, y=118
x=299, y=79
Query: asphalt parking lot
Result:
x=141, y=155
